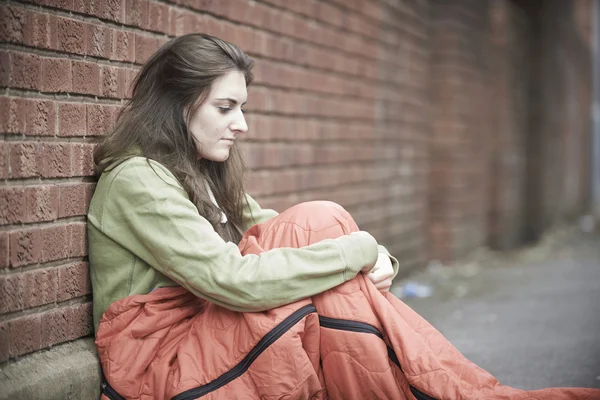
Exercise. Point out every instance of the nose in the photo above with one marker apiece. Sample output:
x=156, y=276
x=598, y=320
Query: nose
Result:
x=239, y=125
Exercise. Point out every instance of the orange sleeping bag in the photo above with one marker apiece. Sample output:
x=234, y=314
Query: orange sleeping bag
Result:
x=350, y=342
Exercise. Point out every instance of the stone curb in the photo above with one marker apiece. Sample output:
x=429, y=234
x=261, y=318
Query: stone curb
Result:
x=67, y=371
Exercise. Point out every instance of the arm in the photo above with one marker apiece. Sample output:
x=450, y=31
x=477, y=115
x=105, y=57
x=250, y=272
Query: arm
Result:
x=147, y=211
x=254, y=214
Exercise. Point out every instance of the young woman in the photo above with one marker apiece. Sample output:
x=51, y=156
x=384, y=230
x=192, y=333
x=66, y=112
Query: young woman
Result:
x=184, y=265
x=170, y=207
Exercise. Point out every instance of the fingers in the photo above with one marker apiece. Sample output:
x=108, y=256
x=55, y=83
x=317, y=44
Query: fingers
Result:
x=384, y=285
x=379, y=274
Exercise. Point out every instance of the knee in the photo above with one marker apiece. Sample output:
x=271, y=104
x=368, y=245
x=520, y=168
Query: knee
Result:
x=319, y=215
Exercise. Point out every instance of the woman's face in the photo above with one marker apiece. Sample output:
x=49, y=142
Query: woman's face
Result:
x=219, y=120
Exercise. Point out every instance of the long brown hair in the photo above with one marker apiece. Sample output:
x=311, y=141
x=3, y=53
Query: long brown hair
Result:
x=170, y=87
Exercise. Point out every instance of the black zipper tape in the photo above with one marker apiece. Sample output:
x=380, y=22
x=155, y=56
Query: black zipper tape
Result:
x=361, y=327
x=257, y=350
x=111, y=393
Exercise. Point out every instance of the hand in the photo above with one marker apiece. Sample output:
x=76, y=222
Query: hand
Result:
x=382, y=272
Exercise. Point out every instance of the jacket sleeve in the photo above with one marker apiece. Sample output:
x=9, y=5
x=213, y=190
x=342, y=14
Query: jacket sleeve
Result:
x=254, y=214
x=148, y=212
x=395, y=263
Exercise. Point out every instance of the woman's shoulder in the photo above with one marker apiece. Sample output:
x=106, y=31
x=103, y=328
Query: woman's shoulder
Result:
x=133, y=178
x=137, y=169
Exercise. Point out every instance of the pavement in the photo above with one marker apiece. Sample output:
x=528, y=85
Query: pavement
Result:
x=530, y=317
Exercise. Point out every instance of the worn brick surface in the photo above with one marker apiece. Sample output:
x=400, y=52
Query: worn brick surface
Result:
x=41, y=117
x=40, y=287
x=41, y=203
x=73, y=281
x=123, y=45
x=25, y=334
x=74, y=199
x=100, y=119
x=99, y=41
x=71, y=119
x=11, y=293
x=4, y=250
x=25, y=70
x=56, y=326
x=23, y=159
x=56, y=75
x=12, y=207
x=86, y=77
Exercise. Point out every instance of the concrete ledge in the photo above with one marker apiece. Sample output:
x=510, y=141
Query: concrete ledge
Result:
x=67, y=371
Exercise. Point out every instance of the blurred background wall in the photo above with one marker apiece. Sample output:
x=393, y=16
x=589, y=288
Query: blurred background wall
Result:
x=441, y=125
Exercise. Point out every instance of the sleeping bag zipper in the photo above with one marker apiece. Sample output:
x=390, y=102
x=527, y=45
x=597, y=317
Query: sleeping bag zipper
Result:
x=109, y=392
x=361, y=327
x=256, y=351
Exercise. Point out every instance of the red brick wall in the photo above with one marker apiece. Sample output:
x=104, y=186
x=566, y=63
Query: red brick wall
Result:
x=565, y=112
x=558, y=140
x=511, y=76
x=339, y=111
x=460, y=142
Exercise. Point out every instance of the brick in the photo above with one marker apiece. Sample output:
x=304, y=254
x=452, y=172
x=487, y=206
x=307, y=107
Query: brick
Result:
x=114, y=10
x=99, y=41
x=90, y=7
x=113, y=81
x=11, y=293
x=56, y=75
x=100, y=119
x=129, y=81
x=42, y=203
x=25, y=70
x=41, y=287
x=12, y=24
x=4, y=342
x=136, y=12
x=56, y=160
x=73, y=281
x=123, y=45
x=74, y=199
x=41, y=118
x=4, y=113
x=53, y=31
x=24, y=160
x=71, y=119
x=4, y=250
x=5, y=68
x=25, y=335
x=78, y=235
x=145, y=46
x=12, y=205
x=25, y=247
x=14, y=114
x=37, y=30
x=55, y=243
x=158, y=17
x=86, y=77
x=62, y=4
x=83, y=322
x=82, y=159
x=4, y=161
x=72, y=36
x=56, y=326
